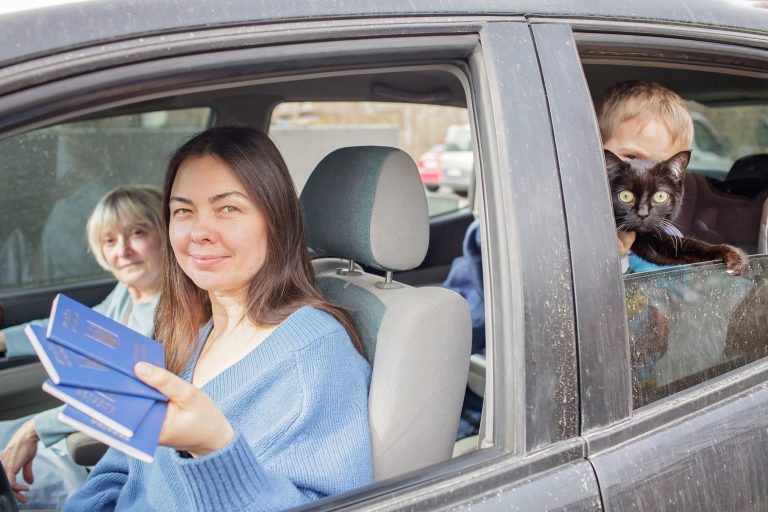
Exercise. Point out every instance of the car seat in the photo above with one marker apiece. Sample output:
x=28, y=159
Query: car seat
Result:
x=365, y=207
x=716, y=213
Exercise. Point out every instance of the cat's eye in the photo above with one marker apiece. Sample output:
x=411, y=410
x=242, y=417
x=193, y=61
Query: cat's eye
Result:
x=660, y=196
x=625, y=196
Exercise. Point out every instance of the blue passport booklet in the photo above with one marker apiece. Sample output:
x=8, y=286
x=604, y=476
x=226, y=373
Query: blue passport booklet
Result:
x=69, y=368
x=100, y=338
x=141, y=446
x=121, y=413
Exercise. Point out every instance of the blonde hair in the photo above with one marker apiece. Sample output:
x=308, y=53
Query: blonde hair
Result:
x=626, y=100
x=137, y=204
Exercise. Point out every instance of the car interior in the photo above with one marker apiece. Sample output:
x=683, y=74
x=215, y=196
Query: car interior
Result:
x=391, y=279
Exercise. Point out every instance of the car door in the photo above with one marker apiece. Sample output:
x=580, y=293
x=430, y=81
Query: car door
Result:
x=530, y=451
x=688, y=430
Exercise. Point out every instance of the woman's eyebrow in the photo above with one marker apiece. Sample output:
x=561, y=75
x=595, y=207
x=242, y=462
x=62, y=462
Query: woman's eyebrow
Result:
x=179, y=199
x=221, y=196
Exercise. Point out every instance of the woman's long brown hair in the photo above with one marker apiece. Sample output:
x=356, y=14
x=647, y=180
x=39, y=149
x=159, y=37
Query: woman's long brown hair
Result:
x=283, y=284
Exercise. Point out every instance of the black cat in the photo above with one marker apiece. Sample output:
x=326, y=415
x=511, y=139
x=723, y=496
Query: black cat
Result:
x=647, y=195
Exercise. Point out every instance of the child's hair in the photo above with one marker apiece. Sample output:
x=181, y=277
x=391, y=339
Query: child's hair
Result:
x=626, y=100
x=135, y=204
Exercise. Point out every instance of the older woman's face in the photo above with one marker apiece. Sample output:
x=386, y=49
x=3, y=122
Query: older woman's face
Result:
x=133, y=254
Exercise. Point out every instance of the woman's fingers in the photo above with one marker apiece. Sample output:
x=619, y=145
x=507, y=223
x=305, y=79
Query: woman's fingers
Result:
x=175, y=388
x=18, y=455
x=194, y=423
x=28, y=476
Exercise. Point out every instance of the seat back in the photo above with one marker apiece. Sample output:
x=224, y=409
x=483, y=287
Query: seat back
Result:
x=367, y=205
x=748, y=176
x=716, y=217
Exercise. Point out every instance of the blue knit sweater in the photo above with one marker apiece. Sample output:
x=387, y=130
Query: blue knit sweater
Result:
x=299, y=406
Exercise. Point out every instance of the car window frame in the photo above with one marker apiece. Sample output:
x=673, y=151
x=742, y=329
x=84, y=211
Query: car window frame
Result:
x=101, y=89
x=607, y=415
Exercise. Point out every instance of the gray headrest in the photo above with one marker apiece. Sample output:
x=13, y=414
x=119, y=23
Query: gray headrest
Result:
x=367, y=203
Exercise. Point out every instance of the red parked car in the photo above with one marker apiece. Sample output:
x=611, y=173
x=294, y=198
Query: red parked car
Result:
x=430, y=167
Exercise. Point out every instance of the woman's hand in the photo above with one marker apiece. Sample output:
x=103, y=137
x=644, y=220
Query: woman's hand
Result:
x=626, y=239
x=194, y=423
x=19, y=453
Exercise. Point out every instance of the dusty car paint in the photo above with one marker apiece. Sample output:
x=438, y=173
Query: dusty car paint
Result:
x=564, y=433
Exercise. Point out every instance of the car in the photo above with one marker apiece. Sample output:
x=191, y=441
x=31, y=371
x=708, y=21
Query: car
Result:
x=710, y=152
x=572, y=419
x=430, y=167
x=458, y=159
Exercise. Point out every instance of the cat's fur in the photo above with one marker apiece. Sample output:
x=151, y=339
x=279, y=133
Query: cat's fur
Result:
x=650, y=220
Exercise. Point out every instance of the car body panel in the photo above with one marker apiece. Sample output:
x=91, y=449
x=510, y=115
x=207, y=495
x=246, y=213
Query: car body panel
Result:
x=144, y=17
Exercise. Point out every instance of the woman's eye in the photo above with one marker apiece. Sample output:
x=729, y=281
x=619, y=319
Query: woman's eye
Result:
x=180, y=211
x=108, y=241
x=625, y=196
x=660, y=196
x=138, y=232
x=229, y=209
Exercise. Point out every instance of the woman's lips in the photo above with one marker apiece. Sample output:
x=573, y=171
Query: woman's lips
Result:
x=207, y=261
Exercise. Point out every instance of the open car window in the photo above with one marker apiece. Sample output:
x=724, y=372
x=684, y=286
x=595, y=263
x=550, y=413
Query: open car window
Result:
x=307, y=131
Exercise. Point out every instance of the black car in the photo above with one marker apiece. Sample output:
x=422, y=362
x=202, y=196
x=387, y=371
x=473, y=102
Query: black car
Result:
x=96, y=94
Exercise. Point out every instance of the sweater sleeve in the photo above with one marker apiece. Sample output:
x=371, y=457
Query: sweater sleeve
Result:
x=102, y=489
x=16, y=342
x=233, y=479
x=324, y=452
x=48, y=427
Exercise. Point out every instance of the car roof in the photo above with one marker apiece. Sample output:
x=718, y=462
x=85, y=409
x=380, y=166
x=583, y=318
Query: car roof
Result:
x=57, y=28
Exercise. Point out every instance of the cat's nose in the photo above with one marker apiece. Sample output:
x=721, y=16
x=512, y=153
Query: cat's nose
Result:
x=642, y=211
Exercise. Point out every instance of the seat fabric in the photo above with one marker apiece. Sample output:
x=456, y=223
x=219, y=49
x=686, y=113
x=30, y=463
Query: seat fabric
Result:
x=367, y=204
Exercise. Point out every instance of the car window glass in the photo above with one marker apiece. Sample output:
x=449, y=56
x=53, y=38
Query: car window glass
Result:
x=58, y=174
x=690, y=323
x=307, y=131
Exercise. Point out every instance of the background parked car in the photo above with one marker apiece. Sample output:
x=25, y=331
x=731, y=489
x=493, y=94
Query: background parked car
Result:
x=710, y=153
x=458, y=159
x=430, y=167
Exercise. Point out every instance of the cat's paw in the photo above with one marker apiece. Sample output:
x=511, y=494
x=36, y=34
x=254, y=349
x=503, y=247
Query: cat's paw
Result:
x=735, y=259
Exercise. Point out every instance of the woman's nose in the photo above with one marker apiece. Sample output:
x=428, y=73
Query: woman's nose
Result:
x=124, y=245
x=202, y=231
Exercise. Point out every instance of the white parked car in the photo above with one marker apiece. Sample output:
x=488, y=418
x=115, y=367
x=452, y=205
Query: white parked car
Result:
x=710, y=150
x=458, y=159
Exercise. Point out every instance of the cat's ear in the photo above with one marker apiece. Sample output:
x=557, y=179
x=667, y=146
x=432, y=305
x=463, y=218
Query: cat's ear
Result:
x=613, y=164
x=677, y=163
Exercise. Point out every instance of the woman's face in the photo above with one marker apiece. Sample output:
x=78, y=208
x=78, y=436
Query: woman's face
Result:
x=218, y=235
x=133, y=254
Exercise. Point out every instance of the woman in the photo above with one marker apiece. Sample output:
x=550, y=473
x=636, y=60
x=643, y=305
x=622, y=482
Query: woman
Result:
x=124, y=234
x=270, y=406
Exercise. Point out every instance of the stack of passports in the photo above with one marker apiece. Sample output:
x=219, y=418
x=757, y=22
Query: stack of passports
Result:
x=89, y=359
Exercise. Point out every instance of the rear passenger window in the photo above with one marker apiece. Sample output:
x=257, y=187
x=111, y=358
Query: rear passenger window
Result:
x=690, y=323
x=438, y=138
x=58, y=174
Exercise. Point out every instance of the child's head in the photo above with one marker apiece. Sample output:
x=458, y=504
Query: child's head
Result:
x=644, y=120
